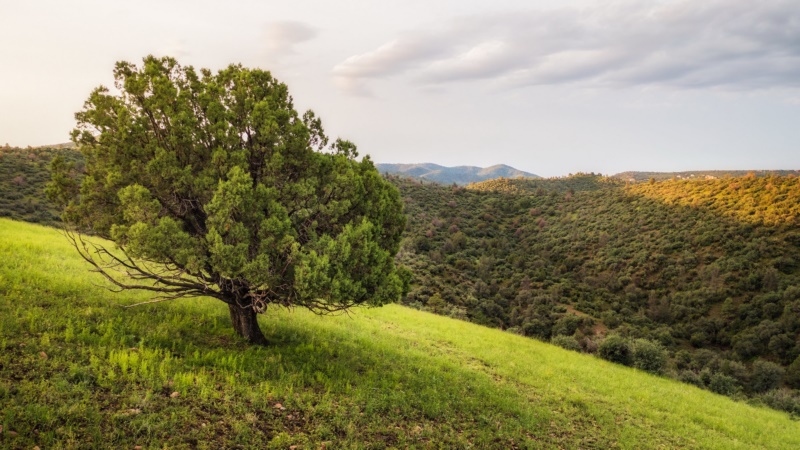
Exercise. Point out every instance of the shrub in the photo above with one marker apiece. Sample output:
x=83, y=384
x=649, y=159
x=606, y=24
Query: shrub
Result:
x=567, y=342
x=723, y=384
x=734, y=369
x=687, y=376
x=765, y=376
x=649, y=356
x=793, y=374
x=536, y=328
x=784, y=400
x=567, y=325
x=616, y=349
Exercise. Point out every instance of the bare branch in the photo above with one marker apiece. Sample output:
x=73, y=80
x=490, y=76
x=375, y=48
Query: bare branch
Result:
x=172, y=282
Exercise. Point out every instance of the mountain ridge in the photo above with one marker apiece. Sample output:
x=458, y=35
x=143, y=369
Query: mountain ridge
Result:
x=461, y=175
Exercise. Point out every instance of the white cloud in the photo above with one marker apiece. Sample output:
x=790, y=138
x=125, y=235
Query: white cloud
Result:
x=281, y=38
x=727, y=44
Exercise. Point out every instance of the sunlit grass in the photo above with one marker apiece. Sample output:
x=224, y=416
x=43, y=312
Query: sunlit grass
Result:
x=79, y=371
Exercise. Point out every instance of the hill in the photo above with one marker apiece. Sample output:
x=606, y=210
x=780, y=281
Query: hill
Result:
x=569, y=184
x=703, y=273
x=701, y=174
x=23, y=175
x=460, y=175
x=705, y=270
x=78, y=371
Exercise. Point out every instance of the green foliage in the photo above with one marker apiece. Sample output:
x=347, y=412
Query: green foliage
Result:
x=723, y=384
x=569, y=184
x=793, y=374
x=782, y=400
x=766, y=376
x=218, y=179
x=566, y=342
x=649, y=356
x=616, y=349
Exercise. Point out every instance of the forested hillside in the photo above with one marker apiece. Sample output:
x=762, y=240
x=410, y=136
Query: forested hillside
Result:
x=701, y=174
x=23, y=175
x=679, y=266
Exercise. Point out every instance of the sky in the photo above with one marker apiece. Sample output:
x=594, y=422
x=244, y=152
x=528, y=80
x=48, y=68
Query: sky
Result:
x=550, y=87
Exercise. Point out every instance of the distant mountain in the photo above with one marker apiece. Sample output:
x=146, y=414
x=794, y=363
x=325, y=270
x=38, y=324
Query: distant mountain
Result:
x=448, y=175
x=700, y=174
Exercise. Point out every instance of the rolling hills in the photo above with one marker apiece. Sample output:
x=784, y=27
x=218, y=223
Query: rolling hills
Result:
x=460, y=175
x=79, y=371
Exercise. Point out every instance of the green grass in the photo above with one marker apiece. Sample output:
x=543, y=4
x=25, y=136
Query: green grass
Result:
x=78, y=371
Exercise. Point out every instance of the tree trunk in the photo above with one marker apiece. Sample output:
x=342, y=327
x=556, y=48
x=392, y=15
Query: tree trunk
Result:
x=245, y=322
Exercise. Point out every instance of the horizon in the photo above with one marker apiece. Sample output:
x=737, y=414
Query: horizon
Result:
x=548, y=87
x=512, y=166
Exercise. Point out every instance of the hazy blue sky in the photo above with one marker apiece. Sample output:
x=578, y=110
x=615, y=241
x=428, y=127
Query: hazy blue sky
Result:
x=551, y=87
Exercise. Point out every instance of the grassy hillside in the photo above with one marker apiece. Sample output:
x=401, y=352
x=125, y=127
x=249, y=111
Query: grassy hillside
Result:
x=79, y=371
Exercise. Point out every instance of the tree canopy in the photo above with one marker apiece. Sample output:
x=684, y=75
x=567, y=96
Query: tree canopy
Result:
x=212, y=184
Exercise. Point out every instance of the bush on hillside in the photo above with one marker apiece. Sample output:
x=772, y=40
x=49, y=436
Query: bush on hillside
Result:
x=616, y=349
x=567, y=342
x=792, y=376
x=765, y=376
x=782, y=399
x=649, y=356
x=723, y=384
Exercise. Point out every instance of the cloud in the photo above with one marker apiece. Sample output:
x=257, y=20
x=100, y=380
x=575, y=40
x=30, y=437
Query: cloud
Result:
x=280, y=38
x=685, y=44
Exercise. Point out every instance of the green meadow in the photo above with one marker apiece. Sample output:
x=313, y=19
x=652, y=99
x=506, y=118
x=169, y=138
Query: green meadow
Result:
x=77, y=370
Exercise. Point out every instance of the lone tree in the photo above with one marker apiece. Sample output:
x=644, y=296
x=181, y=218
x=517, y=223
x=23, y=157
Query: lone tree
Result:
x=211, y=184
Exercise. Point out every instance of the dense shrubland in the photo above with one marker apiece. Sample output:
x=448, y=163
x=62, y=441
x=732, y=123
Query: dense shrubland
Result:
x=701, y=174
x=695, y=279
x=23, y=175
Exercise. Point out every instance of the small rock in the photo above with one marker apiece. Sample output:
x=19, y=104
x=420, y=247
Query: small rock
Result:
x=138, y=447
x=175, y=394
x=134, y=411
x=279, y=406
x=292, y=447
x=43, y=355
x=36, y=448
x=22, y=344
x=290, y=417
x=12, y=433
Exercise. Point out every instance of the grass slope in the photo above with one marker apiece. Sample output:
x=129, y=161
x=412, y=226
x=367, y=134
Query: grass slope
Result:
x=77, y=371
